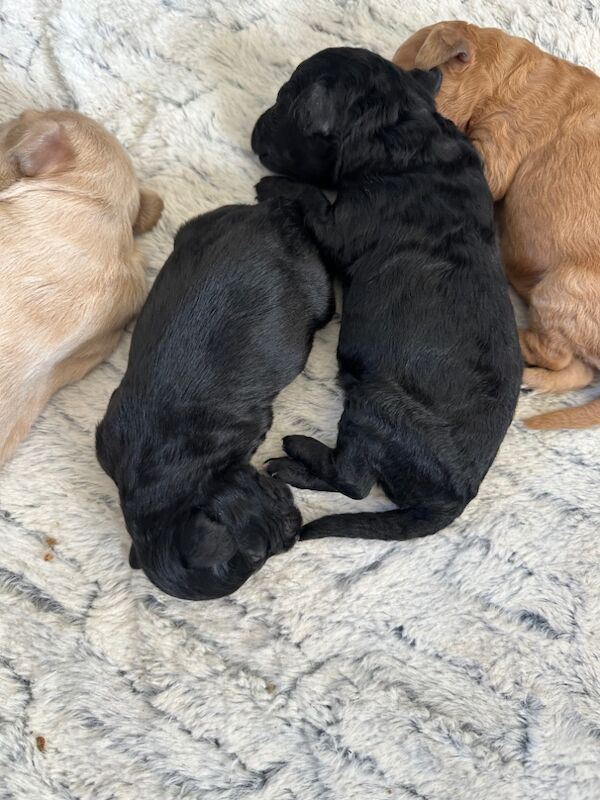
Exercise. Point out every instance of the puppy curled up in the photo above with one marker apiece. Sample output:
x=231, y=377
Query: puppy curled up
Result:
x=228, y=323
x=71, y=273
x=428, y=352
x=534, y=120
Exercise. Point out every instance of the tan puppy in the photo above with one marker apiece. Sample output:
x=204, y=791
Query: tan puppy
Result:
x=535, y=120
x=71, y=276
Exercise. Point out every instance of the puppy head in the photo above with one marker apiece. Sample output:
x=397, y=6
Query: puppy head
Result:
x=209, y=548
x=66, y=148
x=334, y=99
x=473, y=60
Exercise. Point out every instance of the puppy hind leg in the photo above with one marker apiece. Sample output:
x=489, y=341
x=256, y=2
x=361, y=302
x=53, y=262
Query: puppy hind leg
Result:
x=20, y=417
x=541, y=350
x=346, y=468
x=562, y=318
x=16, y=428
x=576, y=376
x=297, y=474
x=79, y=363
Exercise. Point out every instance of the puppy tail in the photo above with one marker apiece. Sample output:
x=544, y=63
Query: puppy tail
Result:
x=395, y=525
x=577, y=417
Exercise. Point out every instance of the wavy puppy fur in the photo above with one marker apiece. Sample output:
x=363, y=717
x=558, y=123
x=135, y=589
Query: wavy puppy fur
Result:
x=428, y=351
x=72, y=276
x=228, y=323
x=534, y=120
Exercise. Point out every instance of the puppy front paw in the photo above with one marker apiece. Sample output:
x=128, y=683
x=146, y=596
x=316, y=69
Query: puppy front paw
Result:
x=273, y=186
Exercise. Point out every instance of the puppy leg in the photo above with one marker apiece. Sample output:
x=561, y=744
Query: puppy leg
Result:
x=296, y=474
x=499, y=158
x=563, y=318
x=276, y=186
x=542, y=350
x=576, y=376
x=18, y=420
x=344, y=469
x=272, y=187
x=79, y=363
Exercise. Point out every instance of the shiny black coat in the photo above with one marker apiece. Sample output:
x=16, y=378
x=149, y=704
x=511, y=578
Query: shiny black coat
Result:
x=428, y=352
x=228, y=323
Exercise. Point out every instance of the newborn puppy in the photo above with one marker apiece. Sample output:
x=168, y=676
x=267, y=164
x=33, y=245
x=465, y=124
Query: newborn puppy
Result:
x=71, y=274
x=428, y=351
x=228, y=323
x=534, y=120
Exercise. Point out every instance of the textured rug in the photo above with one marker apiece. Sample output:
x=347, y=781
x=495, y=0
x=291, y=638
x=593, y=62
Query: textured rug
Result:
x=463, y=667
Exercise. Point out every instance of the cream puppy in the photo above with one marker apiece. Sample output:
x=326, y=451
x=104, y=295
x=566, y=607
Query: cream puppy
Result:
x=71, y=275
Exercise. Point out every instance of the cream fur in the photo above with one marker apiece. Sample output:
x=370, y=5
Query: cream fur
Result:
x=72, y=276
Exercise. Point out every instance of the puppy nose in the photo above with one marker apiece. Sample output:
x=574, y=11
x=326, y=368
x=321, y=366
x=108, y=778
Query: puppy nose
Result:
x=255, y=142
x=253, y=138
x=134, y=560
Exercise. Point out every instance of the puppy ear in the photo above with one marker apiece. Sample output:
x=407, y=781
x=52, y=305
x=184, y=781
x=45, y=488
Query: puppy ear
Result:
x=406, y=54
x=321, y=111
x=448, y=43
x=151, y=207
x=430, y=79
x=42, y=148
x=205, y=542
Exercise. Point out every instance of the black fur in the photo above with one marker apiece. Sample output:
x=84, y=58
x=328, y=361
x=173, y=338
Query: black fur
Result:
x=428, y=350
x=229, y=322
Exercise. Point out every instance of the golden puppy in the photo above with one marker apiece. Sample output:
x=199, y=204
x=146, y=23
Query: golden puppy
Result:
x=71, y=276
x=535, y=120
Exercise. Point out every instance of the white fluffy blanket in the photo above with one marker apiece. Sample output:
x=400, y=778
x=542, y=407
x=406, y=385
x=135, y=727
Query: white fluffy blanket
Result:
x=463, y=667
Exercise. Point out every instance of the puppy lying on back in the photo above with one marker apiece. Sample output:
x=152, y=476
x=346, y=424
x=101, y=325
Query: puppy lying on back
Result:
x=71, y=275
x=229, y=322
x=428, y=349
x=534, y=120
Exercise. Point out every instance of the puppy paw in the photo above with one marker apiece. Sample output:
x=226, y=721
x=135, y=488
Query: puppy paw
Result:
x=526, y=354
x=306, y=449
x=296, y=474
x=536, y=379
x=273, y=186
x=284, y=468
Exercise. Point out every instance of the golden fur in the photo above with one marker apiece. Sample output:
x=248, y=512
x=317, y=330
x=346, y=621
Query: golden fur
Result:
x=535, y=120
x=71, y=274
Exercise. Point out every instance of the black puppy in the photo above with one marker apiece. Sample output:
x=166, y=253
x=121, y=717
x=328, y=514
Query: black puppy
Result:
x=229, y=322
x=428, y=350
